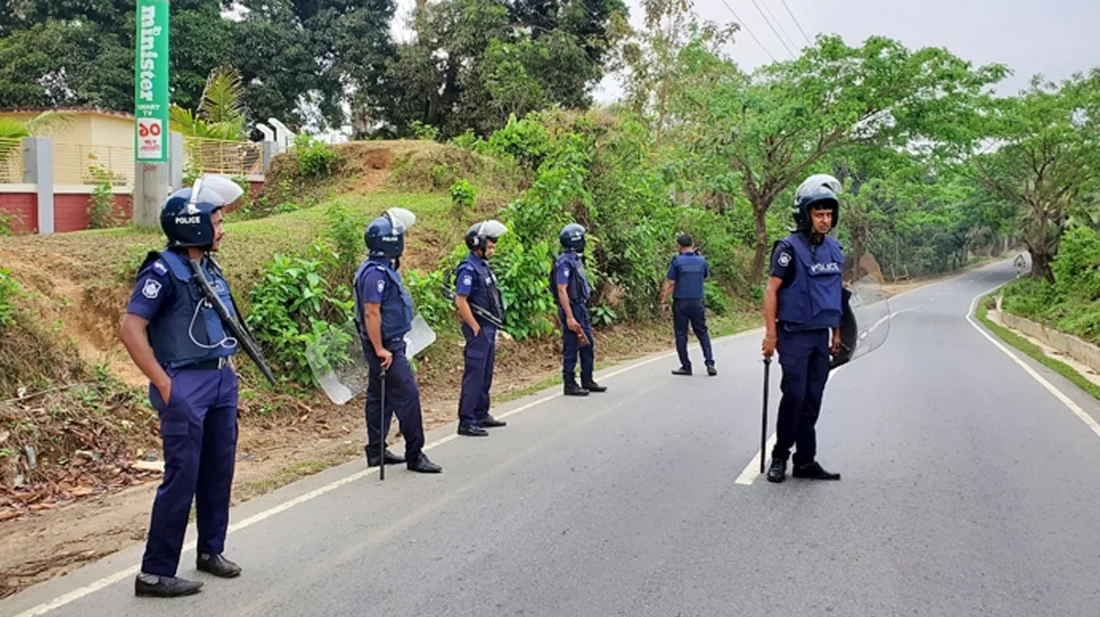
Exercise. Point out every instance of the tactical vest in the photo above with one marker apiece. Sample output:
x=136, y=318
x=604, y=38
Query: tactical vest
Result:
x=690, y=272
x=577, y=288
x=812, y=300
x=189, y=331
x=397, y=305
x=484, y=291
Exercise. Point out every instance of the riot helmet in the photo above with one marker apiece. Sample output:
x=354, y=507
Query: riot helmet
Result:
x=186, y=215
x=572, y=237
x=385, y=235
x=816, y=192
x=480, y=233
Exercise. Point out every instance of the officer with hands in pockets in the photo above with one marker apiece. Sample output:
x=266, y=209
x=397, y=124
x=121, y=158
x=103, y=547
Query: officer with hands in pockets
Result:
x=569, y=285
x=383, y=315
x=684, y=282
x=476, y=289
x=803, y=303
x=181, y=344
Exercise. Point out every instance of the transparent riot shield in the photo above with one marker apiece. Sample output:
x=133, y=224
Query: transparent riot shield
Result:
x=866, y=322
x=336, y=358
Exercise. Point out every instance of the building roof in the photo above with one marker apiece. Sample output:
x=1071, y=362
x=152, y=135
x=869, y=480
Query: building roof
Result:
x=68, y=110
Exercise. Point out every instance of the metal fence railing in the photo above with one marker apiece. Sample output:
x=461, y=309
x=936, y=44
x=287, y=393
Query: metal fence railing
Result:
x=215, y=156
x=11, y=161
x=89, y=165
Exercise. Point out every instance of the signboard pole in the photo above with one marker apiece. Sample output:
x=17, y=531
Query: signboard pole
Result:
x=151, y=127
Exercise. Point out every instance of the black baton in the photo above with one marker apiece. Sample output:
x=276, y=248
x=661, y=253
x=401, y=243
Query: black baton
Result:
x=382, y=422
x=764, y=423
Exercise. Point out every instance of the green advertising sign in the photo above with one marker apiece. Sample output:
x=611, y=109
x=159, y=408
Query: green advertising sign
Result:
x=151, y=82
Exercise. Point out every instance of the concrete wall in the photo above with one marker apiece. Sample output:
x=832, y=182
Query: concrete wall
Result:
x=1079, y=349
x=71, y=210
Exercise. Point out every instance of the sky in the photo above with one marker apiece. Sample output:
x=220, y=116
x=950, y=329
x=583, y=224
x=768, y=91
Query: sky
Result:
x=1051, y=37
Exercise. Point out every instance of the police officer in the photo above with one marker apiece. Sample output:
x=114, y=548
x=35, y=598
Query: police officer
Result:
x=476, y=286
x=571, y=291
x=383, y=315
x=803, y=306
x=178, y=341
x=684, y=282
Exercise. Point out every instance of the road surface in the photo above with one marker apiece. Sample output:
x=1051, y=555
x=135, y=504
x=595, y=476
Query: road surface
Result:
x=969, y=488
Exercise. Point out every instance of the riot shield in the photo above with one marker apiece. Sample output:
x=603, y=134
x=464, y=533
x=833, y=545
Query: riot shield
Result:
x=866, y=321
x=336, y=358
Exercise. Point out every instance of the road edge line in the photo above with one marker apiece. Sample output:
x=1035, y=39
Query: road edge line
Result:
x=1061, y=396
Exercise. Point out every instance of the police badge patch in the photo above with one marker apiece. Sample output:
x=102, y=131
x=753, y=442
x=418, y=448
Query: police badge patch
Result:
x=784, y=259
x=467, y=280
x=381, y=286
x=151, y=289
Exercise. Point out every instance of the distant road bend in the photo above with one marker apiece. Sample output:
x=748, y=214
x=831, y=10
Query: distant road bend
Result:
x=969, y=489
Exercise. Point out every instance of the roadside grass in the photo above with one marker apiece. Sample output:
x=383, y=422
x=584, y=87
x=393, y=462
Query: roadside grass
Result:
x=1032, y=350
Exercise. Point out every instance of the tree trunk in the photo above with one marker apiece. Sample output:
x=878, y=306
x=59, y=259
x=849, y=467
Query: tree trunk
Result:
x=1040, y=265
x=760, y=211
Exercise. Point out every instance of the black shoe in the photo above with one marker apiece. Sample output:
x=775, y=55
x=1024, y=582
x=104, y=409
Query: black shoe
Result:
x=572, y=389
x=711, y=370
x=592, y=386
x=777, y=472
x=373, y=460
x=813, y=471
x=472, y=431
x=682, y=371
x=217, y=565
x=152, y=586
x=421, y=464
x=491, y=422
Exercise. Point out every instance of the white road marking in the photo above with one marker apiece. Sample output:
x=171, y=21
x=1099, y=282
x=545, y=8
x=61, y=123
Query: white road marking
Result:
x=107, y=581
x=752, y=470
x=1067, y=401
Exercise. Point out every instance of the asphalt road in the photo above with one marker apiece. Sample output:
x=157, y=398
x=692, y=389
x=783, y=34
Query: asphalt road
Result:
x=968, y=489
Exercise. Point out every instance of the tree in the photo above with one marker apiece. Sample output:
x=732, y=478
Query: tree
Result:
x=1046, y=160
x=221, y=113
x=775, y=126
x=475, y=63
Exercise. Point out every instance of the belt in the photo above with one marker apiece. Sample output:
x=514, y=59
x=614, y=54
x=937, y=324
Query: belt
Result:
x=208, y=365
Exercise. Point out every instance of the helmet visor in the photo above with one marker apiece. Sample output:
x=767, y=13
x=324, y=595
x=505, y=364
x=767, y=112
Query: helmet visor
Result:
x=491, y=229
x=217, y=190
x=400, y=218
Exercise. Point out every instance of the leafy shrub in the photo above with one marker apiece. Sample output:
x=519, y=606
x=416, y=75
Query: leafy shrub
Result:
x=715, y=298
x=9, y=289
x=463, y=194
x=292, y=303
x=428, y=300
x=315, y=158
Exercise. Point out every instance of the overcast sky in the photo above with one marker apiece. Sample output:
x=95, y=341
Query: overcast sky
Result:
x=1052, y=37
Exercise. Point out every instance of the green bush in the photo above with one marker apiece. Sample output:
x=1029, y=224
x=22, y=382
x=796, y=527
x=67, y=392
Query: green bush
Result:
x=715, y=298
x=292, y=303
x=9, y=289
x=315, y=159
x=463, y=194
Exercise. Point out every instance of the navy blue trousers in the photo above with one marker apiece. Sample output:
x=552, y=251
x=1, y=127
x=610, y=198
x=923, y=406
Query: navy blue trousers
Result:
x=481, y=353
x=198, y=426
x=402, y=400
x=804, y=357
x=571, y=348
x=691, y=311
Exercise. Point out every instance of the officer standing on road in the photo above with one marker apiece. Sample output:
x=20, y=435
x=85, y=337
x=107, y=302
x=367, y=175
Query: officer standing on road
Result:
x=383, y=315
x=802, y=303
x=181, y=344
x=684, y=282
x=571, y=292
x=476, y=285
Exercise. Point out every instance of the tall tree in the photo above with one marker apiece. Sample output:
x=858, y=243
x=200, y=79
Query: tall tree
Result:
x=774, y=126
x=1046, y=160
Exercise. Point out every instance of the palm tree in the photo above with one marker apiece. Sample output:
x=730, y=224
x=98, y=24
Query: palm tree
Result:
x=221, y=113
